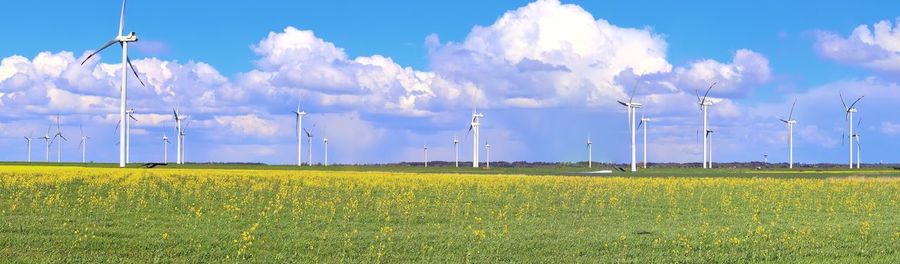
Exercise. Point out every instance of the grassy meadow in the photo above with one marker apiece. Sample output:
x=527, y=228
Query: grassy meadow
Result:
x=335, y=214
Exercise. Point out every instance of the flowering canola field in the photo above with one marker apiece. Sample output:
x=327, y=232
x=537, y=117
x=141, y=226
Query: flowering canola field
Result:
x=74, y=214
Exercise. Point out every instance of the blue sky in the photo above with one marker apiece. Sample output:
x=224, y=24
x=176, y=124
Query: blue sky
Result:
x=381, y=79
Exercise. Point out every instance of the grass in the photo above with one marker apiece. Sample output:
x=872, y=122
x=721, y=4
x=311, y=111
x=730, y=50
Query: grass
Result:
x=286, y=214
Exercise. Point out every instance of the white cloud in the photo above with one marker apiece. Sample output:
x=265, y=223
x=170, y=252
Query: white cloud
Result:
x=247, y=125
x=876, y=48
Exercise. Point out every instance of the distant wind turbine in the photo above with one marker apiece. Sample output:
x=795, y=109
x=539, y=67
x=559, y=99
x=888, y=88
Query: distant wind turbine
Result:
x=858, y=148
x=83, y=144
x=28, y=141
x=709, y=134
x=47, y=142
x=181, y=137
x=166, y=143
x=704, y=107
x=309, y=138
x=644, y=123
x=178, y=137
x=299, y=134
x=487, y=150
x=426, y=155
x=590, y=149
x=58, y=144
x=456, y=150
x=790, y=123
x=123, y=40
x=849, y=110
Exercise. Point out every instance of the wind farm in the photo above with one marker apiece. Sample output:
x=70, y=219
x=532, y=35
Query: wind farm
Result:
x=468, y=132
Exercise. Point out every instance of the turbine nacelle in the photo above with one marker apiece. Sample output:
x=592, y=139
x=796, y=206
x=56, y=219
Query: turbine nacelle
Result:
x=851, y=110
x=131, y=37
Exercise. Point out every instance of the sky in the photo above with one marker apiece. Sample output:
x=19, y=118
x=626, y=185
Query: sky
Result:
x=382, y=79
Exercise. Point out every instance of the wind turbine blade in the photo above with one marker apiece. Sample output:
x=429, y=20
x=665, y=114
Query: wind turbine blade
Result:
x=133, y=70
x=707, y=91
x=117, y=126
x=622, y=103
x=782, y=120
x=859, y=120
x=842, y=101
x=99, y=50
x=791, y=115
x=697, y=92
x=122, y=19
x=857, y=100
x=132, y=117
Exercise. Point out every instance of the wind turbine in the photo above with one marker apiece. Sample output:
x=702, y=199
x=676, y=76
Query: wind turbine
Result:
x=632, y=109
x=487, y=149
x=309, y=137
x=165, y=139
x=58, y=144
x=456, y=150
x=856, y=135
x=474, y=127
x=28, y=141
x=130, y=113
x=178, y=134
x=790, y=123
x=709, y=138
x=299, y=134
x=123, y=40
x=644, y=123
x=83, y=144
x=325, y=141
x=47, y=142
x=426, y=155
x=590, y=148
x=849, y=110
x=181, y=135
x=704, y=107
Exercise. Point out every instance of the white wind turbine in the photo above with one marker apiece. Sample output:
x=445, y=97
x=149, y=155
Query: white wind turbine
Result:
x=130, y=114
x=425, y=147
x=178, y=134
x=83, y=144
x=47, y=142
x=58, y=144
x=590, y=149
x=325, y=142
x=644, y=123
x=487, y=150
x=709, y=134
x=858, y=148
x=849, y=110
x=632, y=110
x=166, y=143
x=790, y=123
x=704, y=108
x=456, y=150
x=299, y=134
x=309, y=138
x=123, y=40
x=28, y=141
x=474, y=127
x=181, y=136
x=127, y=128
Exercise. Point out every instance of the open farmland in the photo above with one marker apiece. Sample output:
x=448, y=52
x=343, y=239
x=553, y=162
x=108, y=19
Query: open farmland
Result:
x=81, y=214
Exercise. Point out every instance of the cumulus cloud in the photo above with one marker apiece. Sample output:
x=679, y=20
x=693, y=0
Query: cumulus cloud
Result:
x=549, y=54
x=876, y=47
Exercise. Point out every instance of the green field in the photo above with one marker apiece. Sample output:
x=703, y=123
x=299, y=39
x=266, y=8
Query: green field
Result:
x=270, y=214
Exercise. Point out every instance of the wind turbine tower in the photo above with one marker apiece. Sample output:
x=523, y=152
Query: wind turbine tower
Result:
x=28, y=141
x=474, y=127
x=59, y=144
x=123, y=40
x=632, y=110
x=487, y=149
x=590, y=148
x=83, y=144
x=849, y=110
x=456, y=150
x=299, y=134
x=644, y=123
x=790, y=123
x=704, y=107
